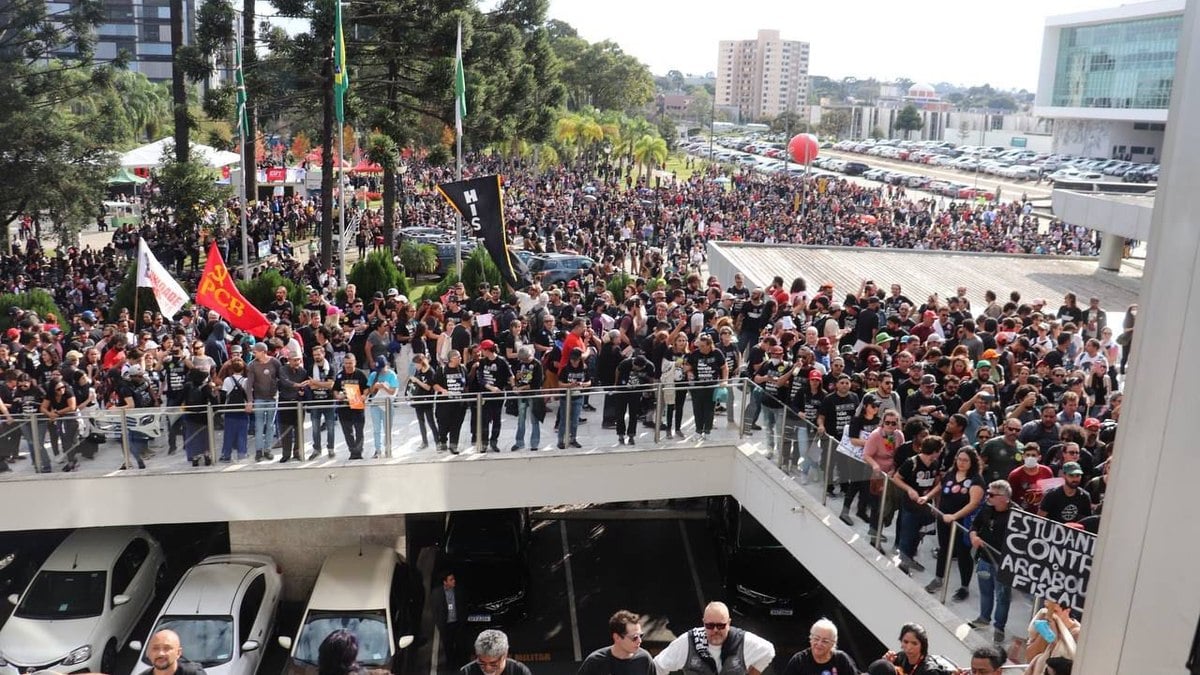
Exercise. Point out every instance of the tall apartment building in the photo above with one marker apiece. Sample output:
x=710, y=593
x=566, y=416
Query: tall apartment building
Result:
x=141, y=28
x=763, y=77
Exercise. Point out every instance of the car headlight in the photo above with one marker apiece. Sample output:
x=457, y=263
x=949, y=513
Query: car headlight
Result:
x=78, y=656
x=7, y=560
x=497, y=605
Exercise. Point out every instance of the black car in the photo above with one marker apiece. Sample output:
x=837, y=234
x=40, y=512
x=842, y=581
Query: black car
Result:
x=559, y=268
x=445, y=255
x=21, y=555
x=855, y=168
x=760, y=575
x=488, y=553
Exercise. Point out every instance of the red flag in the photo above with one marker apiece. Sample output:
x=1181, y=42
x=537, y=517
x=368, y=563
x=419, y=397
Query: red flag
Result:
x=218, y=292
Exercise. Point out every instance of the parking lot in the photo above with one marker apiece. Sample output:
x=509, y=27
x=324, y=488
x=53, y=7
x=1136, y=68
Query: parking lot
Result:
x=584, y=564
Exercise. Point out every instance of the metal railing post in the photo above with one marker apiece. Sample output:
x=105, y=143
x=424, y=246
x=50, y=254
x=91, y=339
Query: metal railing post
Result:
x=387, y=427
x=35, y=444
x=211, y=432
x=479, y=444
x=124, y=438
x=827, y=470
x=301, y=454
x=658, y=412
x=882, y=507
x=567, y=417
x=949, y=561
x=745, y=403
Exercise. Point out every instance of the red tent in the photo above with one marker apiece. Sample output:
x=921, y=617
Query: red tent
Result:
x=314, y=159
x=367, y=167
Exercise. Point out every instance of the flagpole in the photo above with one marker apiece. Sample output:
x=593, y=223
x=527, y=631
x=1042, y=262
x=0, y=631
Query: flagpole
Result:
x=341, y=203
x=242, y=112
x=459, y=104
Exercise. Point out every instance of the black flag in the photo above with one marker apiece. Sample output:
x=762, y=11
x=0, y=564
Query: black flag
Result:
x=478, y=202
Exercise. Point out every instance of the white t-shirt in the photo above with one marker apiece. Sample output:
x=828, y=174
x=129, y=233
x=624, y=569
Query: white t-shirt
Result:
x=758, y=653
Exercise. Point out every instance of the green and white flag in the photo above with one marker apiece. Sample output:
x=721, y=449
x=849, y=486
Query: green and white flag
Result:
x=341, y=78
x=460, y=86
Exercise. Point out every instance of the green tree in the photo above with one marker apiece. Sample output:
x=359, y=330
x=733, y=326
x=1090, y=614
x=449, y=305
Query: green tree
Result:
x=650, y=152
x=377, y=273
x=833, y=122
x=789, y=122
x=188, y=187
x=418, y=258
x=38, y=300
x=260, y=291
x=909, y=120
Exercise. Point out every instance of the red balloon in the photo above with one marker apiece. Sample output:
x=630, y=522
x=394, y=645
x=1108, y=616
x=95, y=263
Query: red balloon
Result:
x=803, y=148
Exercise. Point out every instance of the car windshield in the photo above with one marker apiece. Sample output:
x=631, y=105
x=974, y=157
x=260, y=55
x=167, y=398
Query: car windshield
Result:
x=209, y=639
x=64, y=595
x=482, y=539
x=370, y=627
x=752, y=535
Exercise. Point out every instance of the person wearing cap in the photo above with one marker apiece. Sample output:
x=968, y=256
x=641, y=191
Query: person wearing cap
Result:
x=574, y=378
x=293, y=380
x=1069, y=502
x=382, y=385
x=632, y=373
x=450, y=385
x=134, y=392
x=775, y=378
x=494, y=376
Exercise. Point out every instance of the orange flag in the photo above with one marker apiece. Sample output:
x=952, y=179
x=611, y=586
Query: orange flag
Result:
x=218, y=292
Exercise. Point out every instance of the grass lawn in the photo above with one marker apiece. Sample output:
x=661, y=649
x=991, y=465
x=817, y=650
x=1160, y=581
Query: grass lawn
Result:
x=416, y=291
x=676, y=163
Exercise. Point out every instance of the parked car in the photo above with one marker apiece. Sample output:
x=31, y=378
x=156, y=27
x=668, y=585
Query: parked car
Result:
x=369, y=591
x=21, y=554
x=488, y=553
x=760, y=576
x=559, y=268
x=223, y=609
x=83, y=603
x=445, y=255
x=854, y=168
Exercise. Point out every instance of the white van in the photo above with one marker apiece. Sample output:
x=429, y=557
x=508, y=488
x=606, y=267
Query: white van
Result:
x=368, y=590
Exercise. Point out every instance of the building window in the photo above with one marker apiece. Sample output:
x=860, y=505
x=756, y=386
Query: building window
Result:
x=1121, y=64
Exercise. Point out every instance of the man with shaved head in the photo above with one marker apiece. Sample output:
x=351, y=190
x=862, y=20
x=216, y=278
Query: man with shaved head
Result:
x=716, y=648
x=166, y=656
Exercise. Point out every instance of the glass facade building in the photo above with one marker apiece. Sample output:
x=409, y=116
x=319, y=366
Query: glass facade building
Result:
x=1121, y=64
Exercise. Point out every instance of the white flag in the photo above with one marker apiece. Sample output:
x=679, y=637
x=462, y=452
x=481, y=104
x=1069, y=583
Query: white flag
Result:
x=151, y=274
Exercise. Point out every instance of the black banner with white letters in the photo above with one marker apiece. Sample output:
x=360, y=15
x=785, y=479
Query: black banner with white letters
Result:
x=1047, y=559
x=480, y=204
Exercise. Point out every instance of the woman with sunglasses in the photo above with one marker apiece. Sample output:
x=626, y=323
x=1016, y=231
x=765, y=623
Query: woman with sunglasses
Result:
x=880, y=453
x=58, y=408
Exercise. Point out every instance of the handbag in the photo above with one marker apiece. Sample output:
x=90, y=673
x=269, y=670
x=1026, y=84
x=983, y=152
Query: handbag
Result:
x=1125, y=338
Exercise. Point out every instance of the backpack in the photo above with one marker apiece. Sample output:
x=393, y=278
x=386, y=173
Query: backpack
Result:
x=237, y=395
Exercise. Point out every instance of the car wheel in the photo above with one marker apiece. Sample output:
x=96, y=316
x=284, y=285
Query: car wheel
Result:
x=108, y=660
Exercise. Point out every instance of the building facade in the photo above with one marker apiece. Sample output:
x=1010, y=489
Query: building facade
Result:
x=762, y=78
x=1106, y=78
x=141, y=29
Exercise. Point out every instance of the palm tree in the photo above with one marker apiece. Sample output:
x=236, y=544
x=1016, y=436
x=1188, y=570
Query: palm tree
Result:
x=633, y=131
x=567, y=133
x=650, y=152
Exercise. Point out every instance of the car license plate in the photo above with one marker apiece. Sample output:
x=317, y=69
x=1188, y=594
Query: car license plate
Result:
x=781, y=612
x=479, y=618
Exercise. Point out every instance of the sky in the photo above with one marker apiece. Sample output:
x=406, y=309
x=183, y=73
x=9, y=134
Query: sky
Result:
x=965, y=42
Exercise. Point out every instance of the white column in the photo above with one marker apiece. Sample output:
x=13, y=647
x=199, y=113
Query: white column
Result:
x=1112, y=251
x=1144, y=597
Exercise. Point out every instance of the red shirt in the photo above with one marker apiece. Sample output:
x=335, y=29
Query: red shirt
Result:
x=572, y=341
x=1025, y=491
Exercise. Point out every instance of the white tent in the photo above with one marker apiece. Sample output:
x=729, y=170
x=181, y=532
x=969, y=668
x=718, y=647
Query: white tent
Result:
x=150, y=156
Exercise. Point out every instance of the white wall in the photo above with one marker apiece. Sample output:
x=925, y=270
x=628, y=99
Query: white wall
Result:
x=1096, y=138
x=301, y=545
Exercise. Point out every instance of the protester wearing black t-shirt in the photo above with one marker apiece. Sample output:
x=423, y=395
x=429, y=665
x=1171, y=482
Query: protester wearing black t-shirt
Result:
x=450, y=385
x=822, y=657
x=1067, y=503
x=633, y=372
x=834, y=417
x=625, y=656
x=705, y=368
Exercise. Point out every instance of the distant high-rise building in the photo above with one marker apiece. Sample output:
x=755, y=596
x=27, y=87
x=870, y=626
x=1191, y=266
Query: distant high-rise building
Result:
x=141, y=28
x=761, y=78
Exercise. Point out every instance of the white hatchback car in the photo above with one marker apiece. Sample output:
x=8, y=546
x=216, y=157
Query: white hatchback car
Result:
x=223, y=610
x=83, y=603
x=369, y=591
